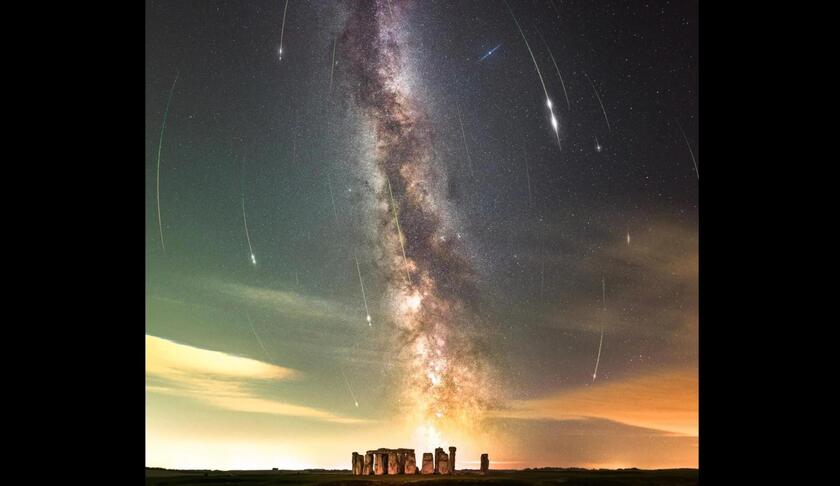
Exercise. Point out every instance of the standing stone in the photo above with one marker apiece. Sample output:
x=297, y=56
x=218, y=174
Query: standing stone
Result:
x=410, y=462
x=438, y=452
x=357, y=469
x=379, y=464
x=485, y=463
x=393, y=463
x=428, y=464
x=401, y=461
x=367, y=468
x=443, y=463
x=360, y=464
x=452, y=459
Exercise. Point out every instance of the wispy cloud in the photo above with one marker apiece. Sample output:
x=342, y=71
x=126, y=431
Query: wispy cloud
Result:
x=665, y=401
x=208, y=291
x=279, y=301
x=222, y=380
x=652, y=285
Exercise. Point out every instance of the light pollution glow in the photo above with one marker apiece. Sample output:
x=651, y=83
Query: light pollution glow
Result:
x=234, y=425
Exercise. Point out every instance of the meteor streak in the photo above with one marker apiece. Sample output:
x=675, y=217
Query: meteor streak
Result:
x=542, y=278
x=528, y=178
x=251, y=324
x=282, y=29
x=491, y=51
x=554, y=123
x=160, y=146
x=247, y=235
x=689, y=149
x=569, y=105
x=599, y=101
x=332, y=66
x=598, y=146
x=362, y=284
x=399, y=231
x=332, y=198
x=464, y=137
x=601, y=342
x=349, y=387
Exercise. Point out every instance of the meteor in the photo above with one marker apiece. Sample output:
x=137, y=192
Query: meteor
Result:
x=332, y=67
x=599, y=101
x=282, y=29
x=251, y=324
x=399, y=231
x=595, y=375
x=491, y=51
x=247, y=235
x=554, y=123
x=160, y=146
x=349, y=387
x=601, y=342
x=689, y=149
x=628, y=237
x=569, y=105
x=332, y=198
x=464, y=137
x=362, y=284
x=598, y=146
x=528, y=178
x=542, y=278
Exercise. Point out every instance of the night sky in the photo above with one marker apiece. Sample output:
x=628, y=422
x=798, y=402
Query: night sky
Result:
x=492, y=267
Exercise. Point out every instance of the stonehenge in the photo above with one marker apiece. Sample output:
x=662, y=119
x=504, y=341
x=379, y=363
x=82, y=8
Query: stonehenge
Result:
x=428, y=464
x=393, y=463
x=410, y=464
x=367, y=469
x=385, y=461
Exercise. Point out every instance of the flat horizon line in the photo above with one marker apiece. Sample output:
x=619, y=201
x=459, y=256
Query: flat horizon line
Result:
x=565, y=468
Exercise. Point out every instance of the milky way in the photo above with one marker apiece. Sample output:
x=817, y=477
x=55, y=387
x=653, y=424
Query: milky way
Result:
x=444, y=377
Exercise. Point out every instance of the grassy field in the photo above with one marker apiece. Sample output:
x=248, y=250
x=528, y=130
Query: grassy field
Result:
x=663, y=477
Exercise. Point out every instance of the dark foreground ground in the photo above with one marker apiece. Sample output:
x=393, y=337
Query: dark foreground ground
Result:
x=663, y=477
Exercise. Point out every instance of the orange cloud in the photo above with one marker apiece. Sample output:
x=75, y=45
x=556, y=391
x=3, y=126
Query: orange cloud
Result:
x=666, y=401
x=221, y=380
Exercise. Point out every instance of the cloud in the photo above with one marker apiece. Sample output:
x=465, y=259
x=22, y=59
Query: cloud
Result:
x=281, y=301
x=217, y=293
x=589, y=443
x=666, y=401
x=179, y=362
x=222, y=380
x=651, y=286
